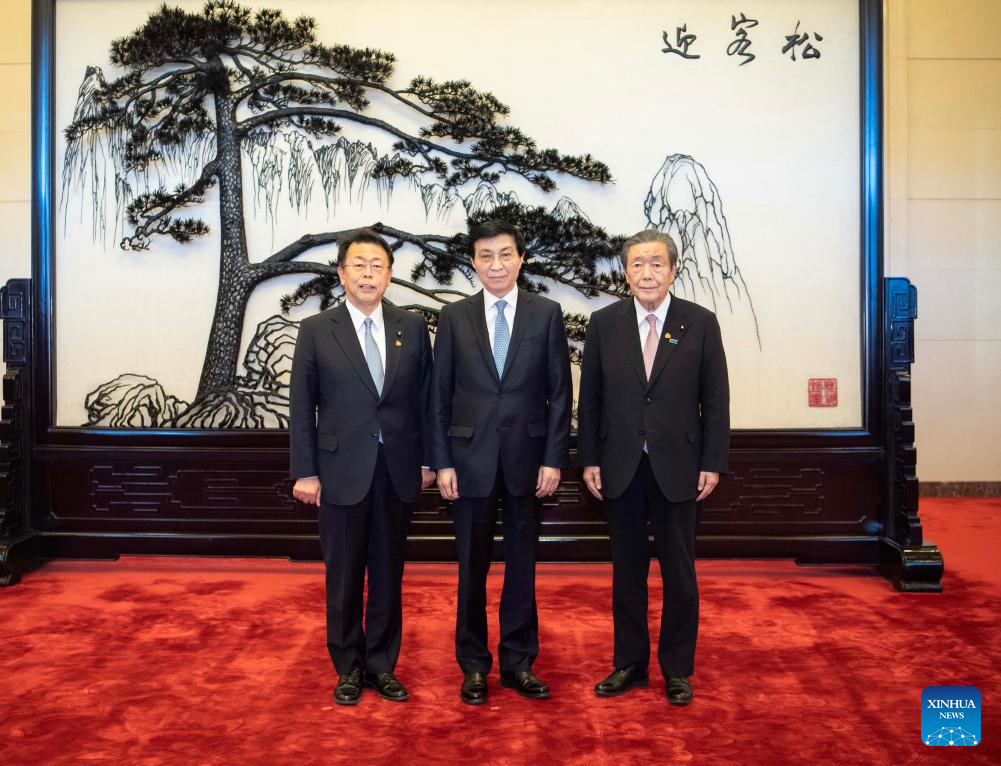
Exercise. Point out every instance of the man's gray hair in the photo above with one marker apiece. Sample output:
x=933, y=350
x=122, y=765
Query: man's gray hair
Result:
x=645, y=237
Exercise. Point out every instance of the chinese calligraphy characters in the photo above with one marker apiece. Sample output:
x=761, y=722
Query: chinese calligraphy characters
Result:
x=682, y=42
x=794, y=40
x=740, y=46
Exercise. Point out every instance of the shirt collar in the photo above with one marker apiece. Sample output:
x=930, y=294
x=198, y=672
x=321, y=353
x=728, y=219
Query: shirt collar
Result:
x=660, y=312
x=358, y=318
x=489, y=299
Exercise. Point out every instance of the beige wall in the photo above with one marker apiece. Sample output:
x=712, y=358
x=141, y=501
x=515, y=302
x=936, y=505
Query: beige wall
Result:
x=943, y=201
x=15, y=141
x=943, y=107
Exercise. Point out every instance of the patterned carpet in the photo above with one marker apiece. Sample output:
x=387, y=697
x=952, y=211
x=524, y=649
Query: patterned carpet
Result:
x=222, y=661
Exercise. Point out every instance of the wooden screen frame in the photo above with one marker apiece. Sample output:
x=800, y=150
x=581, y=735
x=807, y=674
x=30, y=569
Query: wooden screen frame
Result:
x=817, y=496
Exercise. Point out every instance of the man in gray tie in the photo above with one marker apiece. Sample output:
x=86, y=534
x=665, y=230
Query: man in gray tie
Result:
x=500, y=404
x=358, y=428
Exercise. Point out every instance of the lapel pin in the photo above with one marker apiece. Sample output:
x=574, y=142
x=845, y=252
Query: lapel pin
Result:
x=399, y=335
x=667, y=336
x=682, y=328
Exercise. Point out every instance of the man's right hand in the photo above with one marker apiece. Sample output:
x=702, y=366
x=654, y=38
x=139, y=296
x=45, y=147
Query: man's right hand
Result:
x=592, y=478
x=448, y=483
x=307, y=490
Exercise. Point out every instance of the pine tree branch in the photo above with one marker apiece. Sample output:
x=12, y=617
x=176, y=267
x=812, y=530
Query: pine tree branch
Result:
x=332, y=82
x=162, y=81
x=304, y=243
x=266, y=270
x=148, y=226
x=415, y=239
x=309, y=241
x=422, y=145
x=269, y=269
x=434, y=293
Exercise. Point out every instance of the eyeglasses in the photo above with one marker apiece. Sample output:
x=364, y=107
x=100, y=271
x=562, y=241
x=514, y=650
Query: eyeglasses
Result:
x=359, y=267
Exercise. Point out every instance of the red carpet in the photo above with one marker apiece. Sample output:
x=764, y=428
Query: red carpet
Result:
x=207, y=661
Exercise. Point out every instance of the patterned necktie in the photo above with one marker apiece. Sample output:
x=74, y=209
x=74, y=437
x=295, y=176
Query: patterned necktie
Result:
x=372, y=356
x=502, y=337
x=650, y=347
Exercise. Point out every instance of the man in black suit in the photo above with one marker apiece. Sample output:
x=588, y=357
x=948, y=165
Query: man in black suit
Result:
x=500, y=405
x=359, y=394
x=654, y=416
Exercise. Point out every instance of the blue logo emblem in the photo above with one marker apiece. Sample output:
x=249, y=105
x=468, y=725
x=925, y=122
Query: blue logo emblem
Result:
x=950, y=715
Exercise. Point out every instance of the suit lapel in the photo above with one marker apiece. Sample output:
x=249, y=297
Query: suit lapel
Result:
x=522, y=318
x=347, y=338
x=393, y=319
x=625, y=321
x=673, y=323
x=478, y=320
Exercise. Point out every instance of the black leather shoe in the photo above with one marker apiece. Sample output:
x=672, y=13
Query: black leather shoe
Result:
x=526, y=683
x=679, y=690
x=474, y=689
x=348, y=689
x=387, y=685
x=622, y=680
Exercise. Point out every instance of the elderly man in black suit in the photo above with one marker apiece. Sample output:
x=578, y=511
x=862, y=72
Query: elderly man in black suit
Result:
x=357, y=421
x=500, y=405
x=654, y=417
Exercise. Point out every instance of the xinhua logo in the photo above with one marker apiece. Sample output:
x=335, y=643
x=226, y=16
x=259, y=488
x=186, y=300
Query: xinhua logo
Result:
x=950, y=715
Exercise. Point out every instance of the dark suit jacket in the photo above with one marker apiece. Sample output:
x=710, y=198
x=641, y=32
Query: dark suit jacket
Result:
x=682, y=413
x=521, y=418
x=335, y=413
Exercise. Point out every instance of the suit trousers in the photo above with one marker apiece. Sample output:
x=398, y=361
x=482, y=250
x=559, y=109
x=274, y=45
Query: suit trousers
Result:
x=371, y=535
x=674, y=526
x=475, y=518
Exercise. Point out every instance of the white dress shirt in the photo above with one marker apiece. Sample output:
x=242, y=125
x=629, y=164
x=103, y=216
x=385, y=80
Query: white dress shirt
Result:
x=490, y=307
x=378, y=329
x=641, y=314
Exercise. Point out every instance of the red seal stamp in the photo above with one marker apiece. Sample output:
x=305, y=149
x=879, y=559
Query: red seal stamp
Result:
x=822, y=392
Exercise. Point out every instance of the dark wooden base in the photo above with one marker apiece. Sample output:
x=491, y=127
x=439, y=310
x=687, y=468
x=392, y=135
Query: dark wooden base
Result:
x=912, y=569
x=17, y=556
x=804, y=549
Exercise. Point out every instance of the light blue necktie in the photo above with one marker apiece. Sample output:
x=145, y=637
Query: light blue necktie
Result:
x=372, y=357
x=502, y=337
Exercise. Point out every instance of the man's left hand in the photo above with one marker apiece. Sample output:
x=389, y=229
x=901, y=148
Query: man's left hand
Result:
x=549, y=480
x=427, y=477
x=707, y=483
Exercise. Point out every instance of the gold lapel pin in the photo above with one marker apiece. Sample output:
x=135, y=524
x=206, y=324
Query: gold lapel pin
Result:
x=399, y=336
x=667, y=336
x=399, y=343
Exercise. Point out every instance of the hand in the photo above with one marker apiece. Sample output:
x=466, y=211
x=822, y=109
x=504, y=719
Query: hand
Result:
x=427, y=477
x=549, y=480
x=307, y=490
x=592, y=478
x=707, y=483
x=448, y=483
